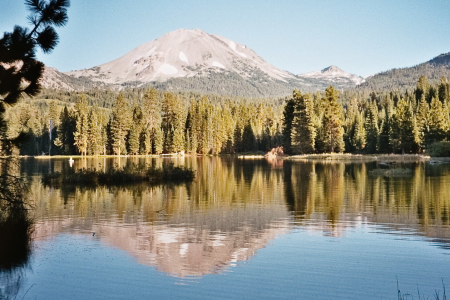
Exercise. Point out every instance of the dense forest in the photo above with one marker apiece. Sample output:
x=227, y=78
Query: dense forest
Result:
x=151, y=121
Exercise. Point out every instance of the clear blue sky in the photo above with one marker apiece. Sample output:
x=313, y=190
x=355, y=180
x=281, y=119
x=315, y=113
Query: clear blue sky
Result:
x=361, y=36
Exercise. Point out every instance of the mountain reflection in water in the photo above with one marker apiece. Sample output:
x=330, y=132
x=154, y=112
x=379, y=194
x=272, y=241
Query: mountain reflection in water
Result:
x=236, y=207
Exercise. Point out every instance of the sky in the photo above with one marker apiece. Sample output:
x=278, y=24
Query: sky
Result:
x=362, y=37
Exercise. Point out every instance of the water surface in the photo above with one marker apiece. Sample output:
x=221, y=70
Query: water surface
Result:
x=243, y=229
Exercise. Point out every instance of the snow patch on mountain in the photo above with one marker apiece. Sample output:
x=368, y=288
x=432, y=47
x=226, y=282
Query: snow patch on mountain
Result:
x=217, y=64
x=168, y=69
x=183, y=57
x=233, y=47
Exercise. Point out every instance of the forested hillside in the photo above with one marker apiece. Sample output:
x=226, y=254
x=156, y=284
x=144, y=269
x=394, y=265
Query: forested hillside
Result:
x=405, y=78
x=151, y=121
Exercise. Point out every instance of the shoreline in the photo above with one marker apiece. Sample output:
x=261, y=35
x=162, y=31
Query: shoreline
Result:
x=304, y=157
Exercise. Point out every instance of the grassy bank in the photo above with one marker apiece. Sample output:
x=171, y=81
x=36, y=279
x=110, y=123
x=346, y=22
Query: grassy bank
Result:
x=126, y=175
x=361, y=157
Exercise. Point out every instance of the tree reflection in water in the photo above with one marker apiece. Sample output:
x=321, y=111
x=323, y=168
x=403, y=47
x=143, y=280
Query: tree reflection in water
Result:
x=15, y=229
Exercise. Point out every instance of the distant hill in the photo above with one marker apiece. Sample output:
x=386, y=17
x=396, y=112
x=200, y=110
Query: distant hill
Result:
x=332, y=75
x=406, y=78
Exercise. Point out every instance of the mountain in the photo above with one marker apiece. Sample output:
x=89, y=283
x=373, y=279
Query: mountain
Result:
x=406, y=78
x=193, y=60
x=196, y=60
x=333, y=76
x=183, y=53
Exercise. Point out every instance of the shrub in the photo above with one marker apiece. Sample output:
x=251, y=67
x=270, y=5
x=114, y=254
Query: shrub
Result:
x=440, y=149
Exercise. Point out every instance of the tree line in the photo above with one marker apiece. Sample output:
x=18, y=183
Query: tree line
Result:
x=387, y=122
x=151, y=121
x=158, y=122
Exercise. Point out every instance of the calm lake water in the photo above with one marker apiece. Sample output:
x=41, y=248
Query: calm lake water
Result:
x=244, y=229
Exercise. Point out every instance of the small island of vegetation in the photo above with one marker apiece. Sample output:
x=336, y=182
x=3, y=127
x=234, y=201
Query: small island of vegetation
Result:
x=127, y=175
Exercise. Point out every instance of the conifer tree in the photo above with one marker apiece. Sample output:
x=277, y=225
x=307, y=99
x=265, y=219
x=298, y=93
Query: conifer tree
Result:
x=371, y=127
x=360, y=133
x=65, y=134
x=248, y=138
x=422, y=88
x=436, y=123
x=119, y=125
x=133, y=139
x=158, y=136
x=151, y=112
x=134, y=136
x=422, y=116
x=332, y=123
x=173, y=121
x=82, y=125
x=19, y=70
x=94, y=132
x=288, y=117
x=444, y=90
x=303, y=129
x=403, y=127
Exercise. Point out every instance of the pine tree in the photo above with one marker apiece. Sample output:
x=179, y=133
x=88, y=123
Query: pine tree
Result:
x=65, y=135
x=134, y=136
x=248, y=138
x=158, y=138
x=303, y=129
x=173, y=120
x=19, y=70
x=288, y=117
x=351, y=115
x=403, y=127
x=94, y=132
x=82, y=125
x=133, y=139
x=422, y=116
x=151, y=112
x=119, y=125
x=371, y=127
x=360, y=133
x=422, y=88
x=436, y=123
x=332, y=123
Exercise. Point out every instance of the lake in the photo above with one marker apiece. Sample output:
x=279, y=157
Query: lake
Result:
x=244, y=229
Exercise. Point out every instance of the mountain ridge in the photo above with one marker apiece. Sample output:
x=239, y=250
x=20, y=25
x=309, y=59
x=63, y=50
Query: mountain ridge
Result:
x=406, y=78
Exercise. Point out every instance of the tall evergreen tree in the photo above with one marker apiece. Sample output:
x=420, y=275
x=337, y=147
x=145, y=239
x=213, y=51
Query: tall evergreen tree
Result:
x=94, y=132
x=371, y=127
x=422, y=116
x=436, y=123
x=119, y=125
x=151, y=112
x=360, y=137
x=82, y=126
x=288, y=117
x=303, y=129
x=65, y=135
x=403, y=127
x=173, y=121
x=332, y=123
x=444, y=90
x=422, y=89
